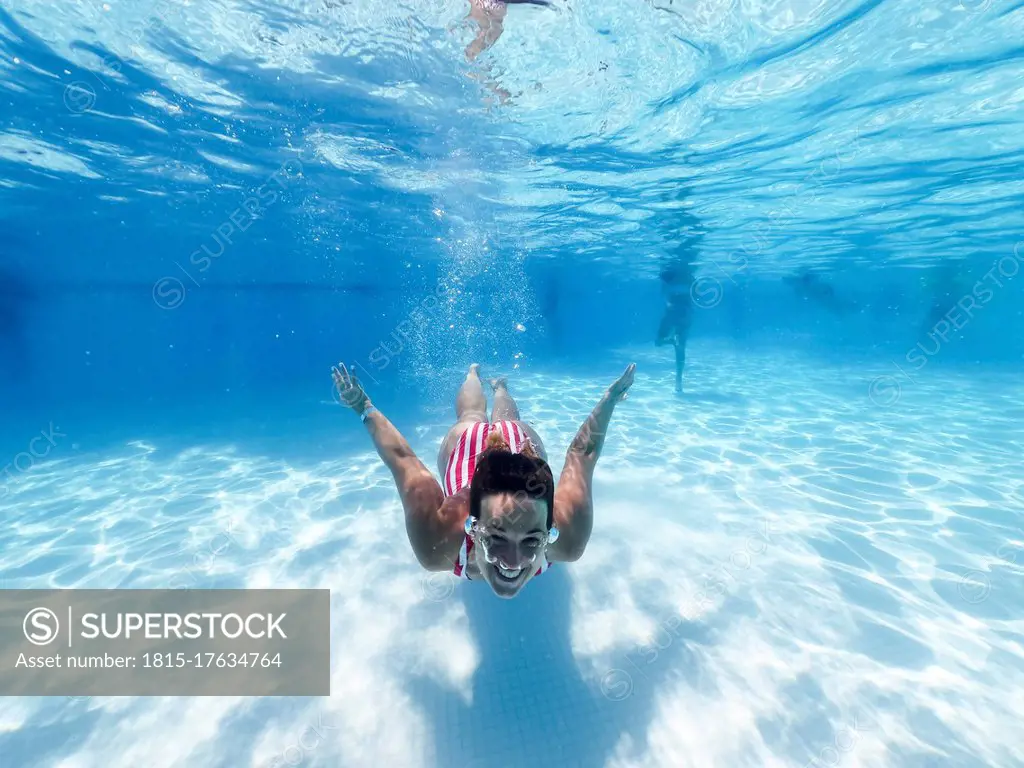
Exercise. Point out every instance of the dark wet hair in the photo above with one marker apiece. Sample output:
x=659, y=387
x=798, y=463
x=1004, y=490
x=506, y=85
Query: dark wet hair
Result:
x=501, y=471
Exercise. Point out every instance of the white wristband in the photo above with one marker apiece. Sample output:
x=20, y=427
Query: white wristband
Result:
x=367, y=412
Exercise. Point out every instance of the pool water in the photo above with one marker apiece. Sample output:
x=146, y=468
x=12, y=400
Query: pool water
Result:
x=813, y=556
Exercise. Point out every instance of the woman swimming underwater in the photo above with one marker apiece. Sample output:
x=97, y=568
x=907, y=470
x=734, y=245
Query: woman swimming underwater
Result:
x=499, y=516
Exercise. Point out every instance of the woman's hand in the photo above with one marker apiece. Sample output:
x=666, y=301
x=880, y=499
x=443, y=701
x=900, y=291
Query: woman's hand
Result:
x=618, y=391
x=349, y=389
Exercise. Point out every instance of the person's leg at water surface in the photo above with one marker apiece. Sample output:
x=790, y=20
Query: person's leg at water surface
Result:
x=490, y=18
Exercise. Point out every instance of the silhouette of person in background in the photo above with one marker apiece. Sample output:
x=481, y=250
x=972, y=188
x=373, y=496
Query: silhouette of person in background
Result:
x=676, y=281
x=809, y=286
x=490, y=18
x=683, y=232
x=946, y=286
x=550, y=301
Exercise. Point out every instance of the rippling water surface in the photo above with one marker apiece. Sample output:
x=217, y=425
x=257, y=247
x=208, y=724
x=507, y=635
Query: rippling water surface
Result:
x=815, y=556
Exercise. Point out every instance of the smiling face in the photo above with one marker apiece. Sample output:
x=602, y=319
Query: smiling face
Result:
x=511, y=536
x=511, y=501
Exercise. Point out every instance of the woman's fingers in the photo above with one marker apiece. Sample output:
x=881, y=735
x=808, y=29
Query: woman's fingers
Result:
x=347, y=383
x=343, y=380
x=342, y=376
x=624, y=382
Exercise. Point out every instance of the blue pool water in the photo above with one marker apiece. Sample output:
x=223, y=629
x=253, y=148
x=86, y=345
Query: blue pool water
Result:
x=813, y=556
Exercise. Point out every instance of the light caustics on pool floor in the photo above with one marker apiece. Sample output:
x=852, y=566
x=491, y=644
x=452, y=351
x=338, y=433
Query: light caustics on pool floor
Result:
x=782, y=571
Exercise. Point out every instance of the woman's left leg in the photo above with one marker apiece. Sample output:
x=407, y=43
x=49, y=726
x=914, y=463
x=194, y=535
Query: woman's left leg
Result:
x=470, y=409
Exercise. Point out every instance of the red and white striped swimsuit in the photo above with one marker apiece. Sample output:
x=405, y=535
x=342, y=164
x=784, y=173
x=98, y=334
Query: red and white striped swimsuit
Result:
x=462, y=464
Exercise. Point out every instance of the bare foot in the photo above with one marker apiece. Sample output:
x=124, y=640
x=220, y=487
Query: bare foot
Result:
x=499, y=383
x=474, y=370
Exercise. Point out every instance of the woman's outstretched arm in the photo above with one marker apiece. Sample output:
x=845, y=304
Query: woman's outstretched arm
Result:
x=422, y=498
x=574, y=503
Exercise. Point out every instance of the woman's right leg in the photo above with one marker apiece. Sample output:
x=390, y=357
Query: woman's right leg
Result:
x=504, y=408
x=470, y=408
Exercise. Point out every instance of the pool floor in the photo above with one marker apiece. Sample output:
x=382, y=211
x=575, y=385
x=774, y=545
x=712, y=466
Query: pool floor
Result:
x=796, y=563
